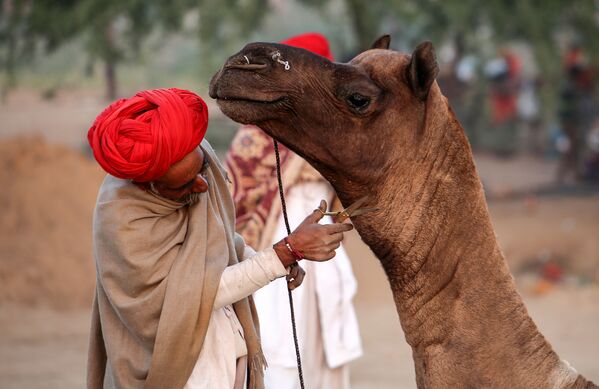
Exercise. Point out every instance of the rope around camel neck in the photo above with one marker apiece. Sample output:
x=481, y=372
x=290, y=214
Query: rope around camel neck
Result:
x=284, y=209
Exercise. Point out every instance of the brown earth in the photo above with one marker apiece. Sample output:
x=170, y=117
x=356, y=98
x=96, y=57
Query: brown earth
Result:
x=47, y=198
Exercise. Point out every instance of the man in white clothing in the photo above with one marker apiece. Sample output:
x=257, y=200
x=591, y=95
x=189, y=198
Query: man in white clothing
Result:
x=327, y=326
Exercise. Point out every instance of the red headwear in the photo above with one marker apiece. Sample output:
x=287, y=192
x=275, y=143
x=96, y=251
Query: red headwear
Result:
x=141, y=137
x=311, y=41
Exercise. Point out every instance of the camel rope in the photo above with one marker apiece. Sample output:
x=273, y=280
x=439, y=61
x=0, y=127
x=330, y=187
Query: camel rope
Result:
x=284, y=209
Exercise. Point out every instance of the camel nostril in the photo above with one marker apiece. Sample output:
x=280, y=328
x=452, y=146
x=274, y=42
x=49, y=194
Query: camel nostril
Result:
x=245, y=63
x=245, y=66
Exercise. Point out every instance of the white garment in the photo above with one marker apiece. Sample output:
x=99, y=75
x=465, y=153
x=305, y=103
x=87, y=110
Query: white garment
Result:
x=323, y=306
x=216, y=364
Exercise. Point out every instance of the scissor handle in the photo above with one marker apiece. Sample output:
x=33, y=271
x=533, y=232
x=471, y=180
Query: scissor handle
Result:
x=329, y=213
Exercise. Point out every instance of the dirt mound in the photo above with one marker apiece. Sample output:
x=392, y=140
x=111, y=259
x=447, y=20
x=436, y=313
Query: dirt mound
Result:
x=47, y=194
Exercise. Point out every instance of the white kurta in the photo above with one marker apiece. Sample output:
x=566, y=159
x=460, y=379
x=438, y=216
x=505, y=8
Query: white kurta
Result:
x=217, y=362
x=327, y=326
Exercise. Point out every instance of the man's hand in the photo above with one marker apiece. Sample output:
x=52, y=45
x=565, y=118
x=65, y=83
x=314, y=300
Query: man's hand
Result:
x=318, y=242
x=295, y=276
x=315, y=241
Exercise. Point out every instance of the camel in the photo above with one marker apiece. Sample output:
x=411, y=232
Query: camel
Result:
x=380, y=126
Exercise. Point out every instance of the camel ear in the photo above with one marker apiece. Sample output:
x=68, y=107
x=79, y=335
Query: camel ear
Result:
x=422, y=70
x=382, y=43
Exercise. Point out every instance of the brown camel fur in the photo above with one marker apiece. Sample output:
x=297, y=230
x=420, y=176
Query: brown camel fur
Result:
x=379, y=125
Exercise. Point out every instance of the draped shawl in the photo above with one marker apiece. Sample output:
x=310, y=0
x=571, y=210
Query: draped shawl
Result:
x=158, y=266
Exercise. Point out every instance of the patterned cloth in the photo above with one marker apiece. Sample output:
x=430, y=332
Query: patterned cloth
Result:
x=251, y=165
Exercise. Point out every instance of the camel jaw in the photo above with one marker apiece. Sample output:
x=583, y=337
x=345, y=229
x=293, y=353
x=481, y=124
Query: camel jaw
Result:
x=249, y=111
x=237, y=104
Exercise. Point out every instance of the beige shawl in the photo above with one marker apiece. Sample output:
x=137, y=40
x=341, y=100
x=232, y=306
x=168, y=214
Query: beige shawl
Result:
x=158, y=268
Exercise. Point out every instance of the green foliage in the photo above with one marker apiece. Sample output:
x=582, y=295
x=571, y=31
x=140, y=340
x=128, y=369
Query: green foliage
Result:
x=116, y=29
x=25, y=25
x=224, y=23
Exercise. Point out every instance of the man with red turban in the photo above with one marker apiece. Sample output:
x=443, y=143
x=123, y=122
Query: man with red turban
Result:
x=173, y=306
x=328, y=330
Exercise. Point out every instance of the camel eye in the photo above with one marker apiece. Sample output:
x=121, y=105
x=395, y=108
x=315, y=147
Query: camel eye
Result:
x=358, y=101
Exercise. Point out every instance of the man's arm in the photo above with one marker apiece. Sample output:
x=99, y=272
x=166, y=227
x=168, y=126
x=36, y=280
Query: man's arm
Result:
x=310, y=240
x=246, y=277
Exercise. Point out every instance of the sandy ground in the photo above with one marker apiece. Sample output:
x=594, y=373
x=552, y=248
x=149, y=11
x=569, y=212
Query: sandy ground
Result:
x=45, y=348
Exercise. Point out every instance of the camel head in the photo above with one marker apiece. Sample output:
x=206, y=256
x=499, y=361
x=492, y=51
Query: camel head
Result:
x=352, y=121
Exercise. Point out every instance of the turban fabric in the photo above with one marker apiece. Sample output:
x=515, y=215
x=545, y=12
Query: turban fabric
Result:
x=141, y=137
x=311, y=41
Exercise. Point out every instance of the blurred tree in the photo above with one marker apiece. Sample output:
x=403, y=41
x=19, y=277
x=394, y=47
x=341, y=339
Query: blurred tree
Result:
x=366, y=18
x=223, y=23
x=114, y=29
x=27, y=25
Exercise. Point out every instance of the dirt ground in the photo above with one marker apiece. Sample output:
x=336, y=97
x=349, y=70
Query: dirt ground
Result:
x=43, y=347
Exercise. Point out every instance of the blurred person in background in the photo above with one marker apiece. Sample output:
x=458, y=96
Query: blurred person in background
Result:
x=173, y=306
x=327, y=326
x=576, y=114
x=504, y=73
x=529, y=114
x=592, y=161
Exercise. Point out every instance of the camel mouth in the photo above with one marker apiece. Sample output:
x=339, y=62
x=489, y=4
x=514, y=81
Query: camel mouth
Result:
x=248, y=110
x=241, y=100
x=242, y=108
x=233, y=88
x=248, y=100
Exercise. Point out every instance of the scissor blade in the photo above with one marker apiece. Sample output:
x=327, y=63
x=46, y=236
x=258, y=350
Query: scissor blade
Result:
x=354, y=210
x=362, y=211
x=353, y=207
x=344, y=216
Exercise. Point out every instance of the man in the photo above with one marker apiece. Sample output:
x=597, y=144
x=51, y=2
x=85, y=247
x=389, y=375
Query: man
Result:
x=577, y=111
x=326, y=321
x=172, y=307
x=505, y=73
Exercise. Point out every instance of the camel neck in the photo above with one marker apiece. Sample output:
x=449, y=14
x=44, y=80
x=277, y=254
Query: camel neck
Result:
x=453, y=290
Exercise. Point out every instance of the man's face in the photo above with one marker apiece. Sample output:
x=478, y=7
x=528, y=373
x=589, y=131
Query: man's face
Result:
x=185, y=180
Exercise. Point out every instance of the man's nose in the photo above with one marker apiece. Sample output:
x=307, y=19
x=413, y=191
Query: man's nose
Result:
x=200, y=185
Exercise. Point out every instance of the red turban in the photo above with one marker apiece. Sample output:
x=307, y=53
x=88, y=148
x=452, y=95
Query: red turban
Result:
x=311, y=41
x=141, y=137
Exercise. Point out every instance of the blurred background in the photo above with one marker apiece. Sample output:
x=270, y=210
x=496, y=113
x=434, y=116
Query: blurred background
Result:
x=521, y=76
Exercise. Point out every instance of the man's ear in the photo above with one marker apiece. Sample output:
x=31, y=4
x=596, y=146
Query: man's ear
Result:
x=382, y=43
x=422, y=70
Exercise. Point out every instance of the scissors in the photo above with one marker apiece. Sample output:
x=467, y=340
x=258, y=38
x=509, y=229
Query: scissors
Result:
x=353, y=210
